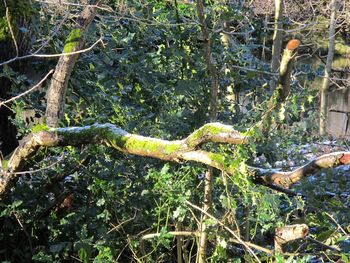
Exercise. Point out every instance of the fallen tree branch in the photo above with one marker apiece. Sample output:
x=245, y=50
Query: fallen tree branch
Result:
x=187, y=149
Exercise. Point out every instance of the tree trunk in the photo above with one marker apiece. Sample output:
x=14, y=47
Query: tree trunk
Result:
x=277, y=36
x=57, y=91
x=208, y=185
x=328, y=69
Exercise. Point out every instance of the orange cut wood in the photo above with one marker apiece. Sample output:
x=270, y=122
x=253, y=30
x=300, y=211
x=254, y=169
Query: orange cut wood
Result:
x=293, y=44
x=345, y=159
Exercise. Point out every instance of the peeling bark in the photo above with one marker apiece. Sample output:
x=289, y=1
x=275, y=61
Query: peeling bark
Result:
x=287, y=179
x=285, y=234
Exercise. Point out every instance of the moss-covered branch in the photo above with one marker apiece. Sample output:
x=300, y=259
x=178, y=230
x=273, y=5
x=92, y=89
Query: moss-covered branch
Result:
x=187, y=149
x=112, y=136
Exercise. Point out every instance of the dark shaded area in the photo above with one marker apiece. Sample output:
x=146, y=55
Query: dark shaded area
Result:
x=8, y=140
x=19, y=13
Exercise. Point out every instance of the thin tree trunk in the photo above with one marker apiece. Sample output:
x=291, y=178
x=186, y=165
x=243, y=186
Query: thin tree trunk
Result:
x=179, y=243
x=211, y=68
x=277, y=39
x=263, y=56
x=283, y=85
x=208, y=186
x=277, y=36
x=328, y=69
x=57, y=91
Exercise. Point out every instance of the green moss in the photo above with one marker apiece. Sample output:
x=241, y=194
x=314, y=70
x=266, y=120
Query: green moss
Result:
x=137, y=143
x=341, y=62
x=40, y=127
x=72, y=41
x=197, y=135
x=4, y=30
x=206, y=130
x=144, y=145
x=4, y=164
x=216, y=157
x=169, y=149
x=212, y=129
x=340, y=47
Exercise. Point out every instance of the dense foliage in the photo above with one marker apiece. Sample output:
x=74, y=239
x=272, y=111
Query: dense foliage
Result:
x=94, y=204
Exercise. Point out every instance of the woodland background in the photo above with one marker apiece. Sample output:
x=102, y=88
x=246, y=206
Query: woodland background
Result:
x=276, y=73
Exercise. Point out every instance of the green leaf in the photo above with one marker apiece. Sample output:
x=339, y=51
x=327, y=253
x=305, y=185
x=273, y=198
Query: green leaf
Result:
x=83, y=255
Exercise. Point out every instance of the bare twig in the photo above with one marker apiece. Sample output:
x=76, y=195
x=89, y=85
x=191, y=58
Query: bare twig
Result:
x=289, y=31
x=256, y=70
x=335, y=221
x=100, y=40
x=109, y=9
x=121, y=224
x=25, y=231
x=247, y=245
x=321, y=244
x=41, y=169
x=173, y=233
x=11, y=30
x=28, y=91
x=54, y=32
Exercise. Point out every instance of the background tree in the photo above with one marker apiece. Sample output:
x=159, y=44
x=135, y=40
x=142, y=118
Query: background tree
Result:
x=328, y=69
x=15, y=40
